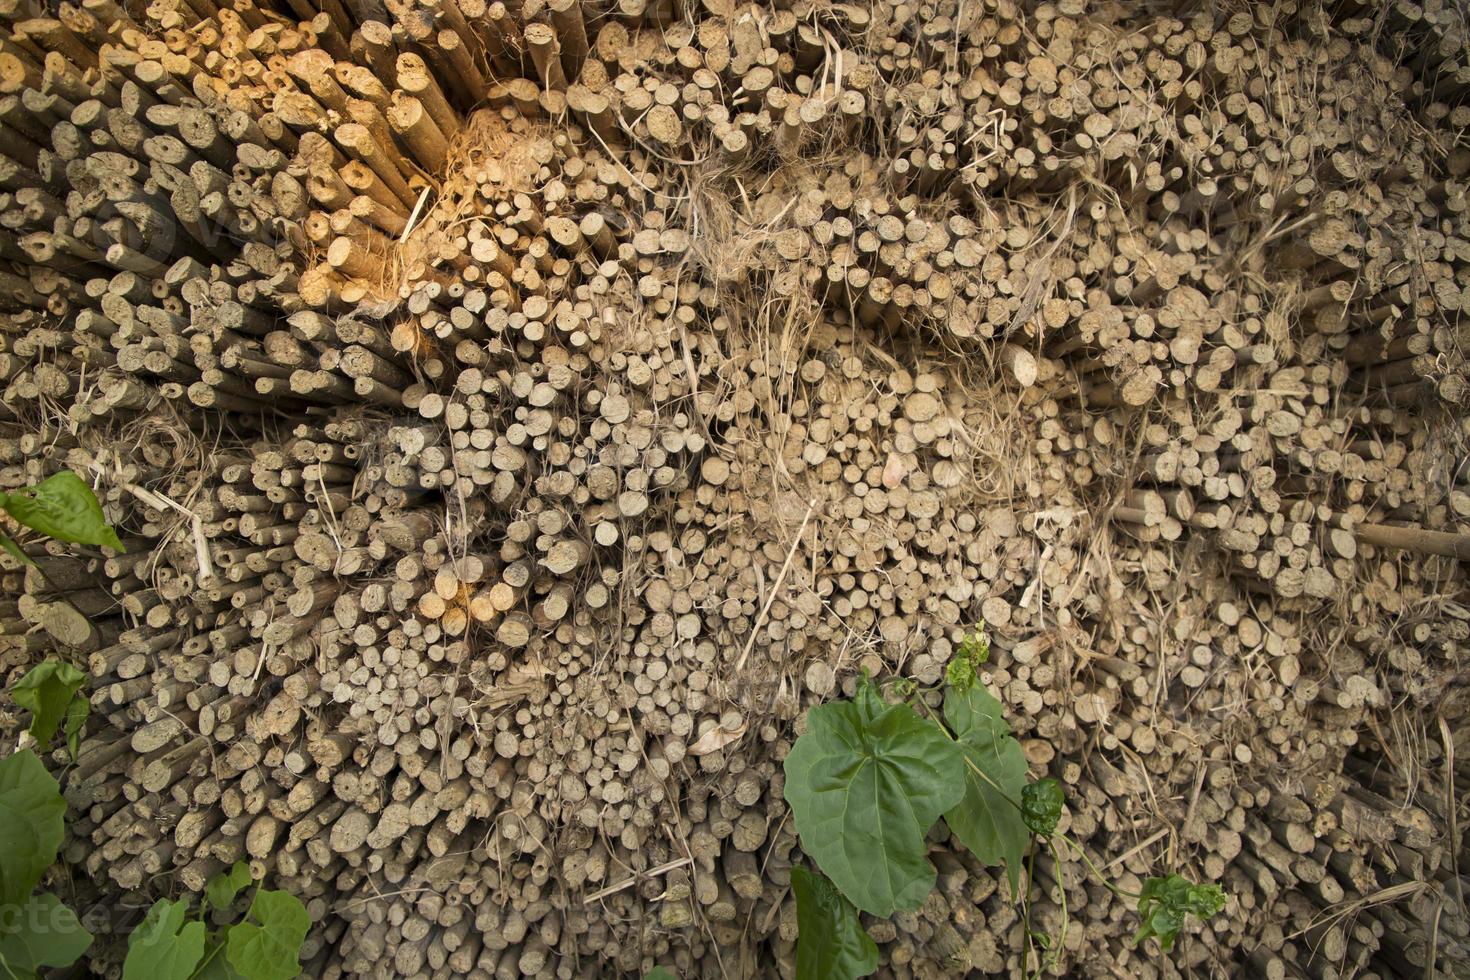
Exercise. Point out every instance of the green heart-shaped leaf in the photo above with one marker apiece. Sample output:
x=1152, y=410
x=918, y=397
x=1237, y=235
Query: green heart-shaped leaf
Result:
x=167, y=946
x=32, y=813
x=865, y=784
x=988, y=819
x=268, y=951
x=43, y=932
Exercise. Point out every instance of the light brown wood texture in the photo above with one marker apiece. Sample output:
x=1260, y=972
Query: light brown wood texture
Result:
x=518, y=414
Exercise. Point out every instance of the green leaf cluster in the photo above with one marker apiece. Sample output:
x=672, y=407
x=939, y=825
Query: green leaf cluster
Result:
x=61, y=506
x=263, y=945
x=35, y=930
x=867, y=782
x=869, y=779
x=1164, y=903
x=40, y=931
x=51, y=690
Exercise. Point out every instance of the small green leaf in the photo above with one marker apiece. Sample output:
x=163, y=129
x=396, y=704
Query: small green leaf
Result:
x=1164, y=903
x=76, y=718
x=659, y=973
x=221, y=890
x=831, y=943
x=47, y=690
x=865, y=784
x=268, y=951
x=976, y=646
x=13, y=549
x=960, y=674
x=64, y=507
x=987, y=820
x=963, y=671
x=43, y=932
x=167, y=945
x=32, y=813
x=1041, y=806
